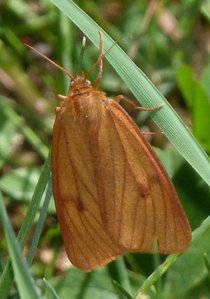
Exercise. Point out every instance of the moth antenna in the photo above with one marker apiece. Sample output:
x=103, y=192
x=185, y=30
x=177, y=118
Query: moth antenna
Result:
x=81, y=61
x=51, y=61
x=99, y=61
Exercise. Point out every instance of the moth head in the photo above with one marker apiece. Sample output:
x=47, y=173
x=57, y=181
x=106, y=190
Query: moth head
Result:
x=80, y=81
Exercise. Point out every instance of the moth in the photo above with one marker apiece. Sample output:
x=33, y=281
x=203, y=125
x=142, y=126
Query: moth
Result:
x=111, y=192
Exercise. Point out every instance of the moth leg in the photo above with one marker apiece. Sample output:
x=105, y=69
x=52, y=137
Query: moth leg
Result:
x=151, y=133
x=119, y=98
x=62, y=97
x=99, y=61
x=150, y=108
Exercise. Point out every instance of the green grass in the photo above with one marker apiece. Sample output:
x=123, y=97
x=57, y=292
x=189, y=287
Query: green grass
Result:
x=26, y=120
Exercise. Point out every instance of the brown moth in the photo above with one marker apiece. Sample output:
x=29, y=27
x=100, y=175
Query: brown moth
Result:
x=112, y=195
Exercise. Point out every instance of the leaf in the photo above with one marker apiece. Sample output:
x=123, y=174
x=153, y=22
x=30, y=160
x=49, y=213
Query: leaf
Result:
x=190, y=264
x=25, y=283
x=23, y=180
x=198, y=101
x=7, y=129
x=7, y=276
x=76, y=284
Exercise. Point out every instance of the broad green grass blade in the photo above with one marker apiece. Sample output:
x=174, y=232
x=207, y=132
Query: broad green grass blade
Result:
x=7, y=276
x=143, y=89
x=24, y=281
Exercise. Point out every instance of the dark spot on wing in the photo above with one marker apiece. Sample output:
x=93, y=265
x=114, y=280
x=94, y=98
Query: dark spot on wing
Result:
x=80, y=205
x=144, y=190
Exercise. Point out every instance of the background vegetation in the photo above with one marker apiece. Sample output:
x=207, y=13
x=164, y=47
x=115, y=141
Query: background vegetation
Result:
x=170, y=42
